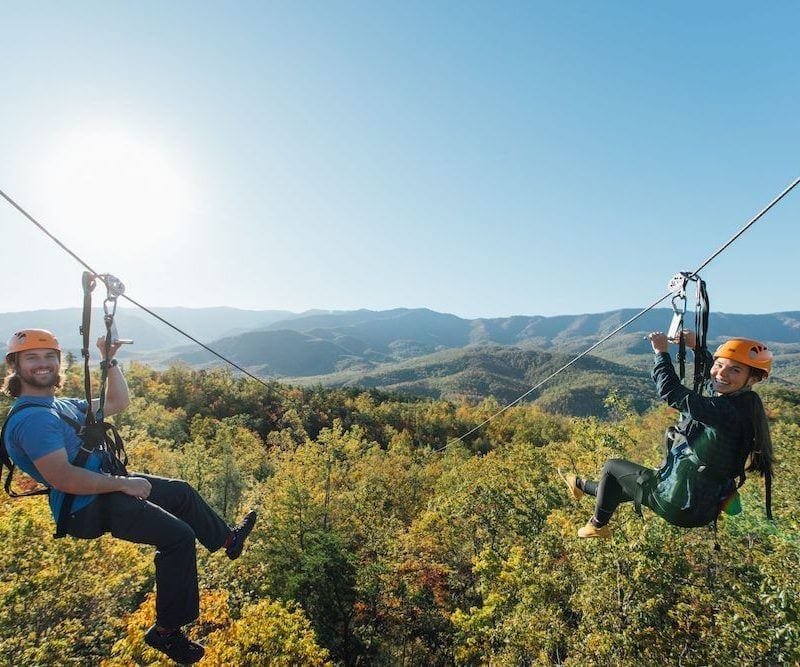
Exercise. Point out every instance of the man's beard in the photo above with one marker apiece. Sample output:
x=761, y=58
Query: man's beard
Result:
x=48, y=381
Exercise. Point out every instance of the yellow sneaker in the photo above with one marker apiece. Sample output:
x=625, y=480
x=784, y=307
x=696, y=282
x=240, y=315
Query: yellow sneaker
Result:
x=590, y=530
x=571, y=482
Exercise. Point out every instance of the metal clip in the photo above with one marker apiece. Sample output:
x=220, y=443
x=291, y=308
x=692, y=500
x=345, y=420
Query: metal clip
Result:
x=679, y=308
x=677, y=285
x=108, y=315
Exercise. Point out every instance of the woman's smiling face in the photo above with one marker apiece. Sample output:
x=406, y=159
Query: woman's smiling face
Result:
x=730, y=376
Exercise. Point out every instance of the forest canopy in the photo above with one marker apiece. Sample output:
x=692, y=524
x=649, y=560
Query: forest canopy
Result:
x=379, y=543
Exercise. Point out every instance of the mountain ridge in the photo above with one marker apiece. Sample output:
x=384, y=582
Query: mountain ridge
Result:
x=397, y=349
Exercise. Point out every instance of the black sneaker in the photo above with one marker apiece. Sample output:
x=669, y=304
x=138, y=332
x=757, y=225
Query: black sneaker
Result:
x=175, y=645
x=240, y=533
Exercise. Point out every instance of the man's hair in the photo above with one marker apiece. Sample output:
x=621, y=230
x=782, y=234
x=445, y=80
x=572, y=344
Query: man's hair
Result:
x=12, y=385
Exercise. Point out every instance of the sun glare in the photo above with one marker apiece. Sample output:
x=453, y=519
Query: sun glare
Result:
x=118, y=188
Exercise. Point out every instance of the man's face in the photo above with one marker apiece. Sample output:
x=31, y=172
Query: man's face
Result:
x=38, y=369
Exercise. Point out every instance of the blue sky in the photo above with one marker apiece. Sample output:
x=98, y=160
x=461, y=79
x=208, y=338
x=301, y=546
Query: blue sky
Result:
x=484, y=159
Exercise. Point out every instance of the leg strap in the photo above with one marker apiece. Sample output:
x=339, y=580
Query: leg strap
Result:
x=641, y=479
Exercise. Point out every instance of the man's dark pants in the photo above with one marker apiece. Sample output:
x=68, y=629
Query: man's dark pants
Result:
x=172, y=517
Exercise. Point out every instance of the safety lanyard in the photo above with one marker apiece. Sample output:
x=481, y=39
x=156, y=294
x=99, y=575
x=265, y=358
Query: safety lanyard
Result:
x=114, y=289
x=677, y=285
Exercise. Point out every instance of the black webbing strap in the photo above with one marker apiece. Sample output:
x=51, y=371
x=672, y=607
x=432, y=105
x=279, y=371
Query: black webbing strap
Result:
x=717, y=547
x=701, y=316
x=678, y=288
x=108, y=320
x=642, y=478
x=88, y=282
x=94, y=438
x=5, y=459
x=768, y=493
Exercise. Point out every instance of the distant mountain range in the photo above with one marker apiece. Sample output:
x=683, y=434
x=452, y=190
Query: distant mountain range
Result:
x=421, y=351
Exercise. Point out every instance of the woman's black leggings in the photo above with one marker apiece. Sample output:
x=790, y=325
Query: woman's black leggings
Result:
x=617, y=485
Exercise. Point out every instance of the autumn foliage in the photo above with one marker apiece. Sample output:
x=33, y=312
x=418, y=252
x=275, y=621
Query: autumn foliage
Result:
x=383, y=541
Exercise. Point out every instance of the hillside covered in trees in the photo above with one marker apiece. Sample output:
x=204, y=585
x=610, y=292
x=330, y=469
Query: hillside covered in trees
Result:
x=383, y=541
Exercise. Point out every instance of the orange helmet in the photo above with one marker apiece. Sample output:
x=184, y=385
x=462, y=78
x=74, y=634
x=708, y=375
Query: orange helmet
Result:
x=31, y=339
x=748, y=352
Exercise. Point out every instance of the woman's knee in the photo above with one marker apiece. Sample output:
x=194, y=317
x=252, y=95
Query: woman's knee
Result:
x=611, y=467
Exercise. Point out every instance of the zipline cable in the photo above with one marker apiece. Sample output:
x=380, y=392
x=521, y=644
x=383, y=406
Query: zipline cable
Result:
x=503, y=409
x=746, y=227
x=125, y=296
x=554, y=373
x=30, y=217
x=192, y=338
x=694, y=273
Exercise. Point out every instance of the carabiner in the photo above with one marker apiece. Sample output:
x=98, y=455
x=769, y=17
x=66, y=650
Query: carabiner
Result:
x=680, y=310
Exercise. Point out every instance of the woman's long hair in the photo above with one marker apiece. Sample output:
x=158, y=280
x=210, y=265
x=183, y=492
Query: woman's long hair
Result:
x=761, y=457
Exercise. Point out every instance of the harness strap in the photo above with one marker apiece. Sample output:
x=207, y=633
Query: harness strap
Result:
x=115, y=287
x=701, y=317
x=703, y=467
x=642, y=478
x=95, y=438
x=99, y=437
x=677, y=286
x=716, y=537
x=768, y=493
x=88, y=282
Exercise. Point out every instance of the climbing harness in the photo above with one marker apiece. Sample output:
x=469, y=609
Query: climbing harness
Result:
x=96, y=435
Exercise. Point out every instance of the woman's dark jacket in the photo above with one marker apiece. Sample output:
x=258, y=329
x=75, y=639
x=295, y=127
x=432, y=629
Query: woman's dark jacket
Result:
x=708, y=449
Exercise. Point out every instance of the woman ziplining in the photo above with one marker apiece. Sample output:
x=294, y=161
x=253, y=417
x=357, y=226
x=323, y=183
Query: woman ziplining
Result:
x=717, y=438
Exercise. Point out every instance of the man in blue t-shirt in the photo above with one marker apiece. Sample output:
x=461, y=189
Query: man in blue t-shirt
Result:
x=167, y=513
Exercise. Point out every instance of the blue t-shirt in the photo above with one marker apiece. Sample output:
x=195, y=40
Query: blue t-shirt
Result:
x=36, y=432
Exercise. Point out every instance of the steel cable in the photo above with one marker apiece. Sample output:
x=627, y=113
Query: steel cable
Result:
x=126, y=297
x=693, y=274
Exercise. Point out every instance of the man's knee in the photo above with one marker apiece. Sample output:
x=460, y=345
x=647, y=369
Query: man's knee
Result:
x=181, y=536
x=180, y=488
x=173, y=494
